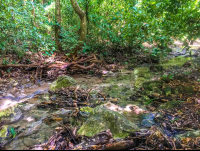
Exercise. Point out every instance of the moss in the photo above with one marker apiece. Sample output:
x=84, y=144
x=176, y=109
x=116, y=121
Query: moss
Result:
x=86, y=109
x=176, y=61
x=167, y=90
x=4, y=131
x=139, y=81
x=102, y=119
x=191, y=134
x=62, y=82
x=150, y=85
x=169, y=105
x=7, y=112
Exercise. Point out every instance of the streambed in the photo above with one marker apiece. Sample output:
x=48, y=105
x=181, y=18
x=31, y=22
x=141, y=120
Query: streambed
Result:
x=27, y=119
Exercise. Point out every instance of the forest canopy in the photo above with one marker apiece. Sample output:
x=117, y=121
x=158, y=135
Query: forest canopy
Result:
x=86, y=26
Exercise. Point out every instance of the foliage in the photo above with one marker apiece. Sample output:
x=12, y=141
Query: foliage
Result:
x=111, y=24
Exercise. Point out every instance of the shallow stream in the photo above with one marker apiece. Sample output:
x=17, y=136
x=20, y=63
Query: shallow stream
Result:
x=22, y=113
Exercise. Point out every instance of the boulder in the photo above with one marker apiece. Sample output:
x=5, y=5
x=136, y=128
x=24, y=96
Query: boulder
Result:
x=62, y=82
x=102, y=118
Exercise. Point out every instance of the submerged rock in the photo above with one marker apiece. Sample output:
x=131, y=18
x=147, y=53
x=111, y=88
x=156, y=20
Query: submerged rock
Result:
x=102, y=118
x=11, y=115
x=190, y=134
x=62, y=82
x=5, y=134
x=148, y=120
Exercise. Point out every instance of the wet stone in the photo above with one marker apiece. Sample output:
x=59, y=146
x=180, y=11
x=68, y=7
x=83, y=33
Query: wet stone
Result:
x=30, y=142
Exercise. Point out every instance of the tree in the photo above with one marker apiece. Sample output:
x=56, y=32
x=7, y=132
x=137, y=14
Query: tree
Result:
x=83, y=30
x=58, y=24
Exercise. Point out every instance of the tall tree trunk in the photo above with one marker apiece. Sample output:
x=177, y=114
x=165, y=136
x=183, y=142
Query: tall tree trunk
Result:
x=83, y=19
x=87, y=13
x=58, y=24
x=33, y=12
x=43, y=2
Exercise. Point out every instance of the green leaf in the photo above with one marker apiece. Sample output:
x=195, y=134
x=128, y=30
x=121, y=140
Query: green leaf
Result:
x=13, y=132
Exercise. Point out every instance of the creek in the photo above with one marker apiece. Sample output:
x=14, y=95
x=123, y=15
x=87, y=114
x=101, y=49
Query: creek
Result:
x=22, y=114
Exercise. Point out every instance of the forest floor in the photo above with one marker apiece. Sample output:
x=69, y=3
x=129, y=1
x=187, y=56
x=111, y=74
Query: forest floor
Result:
x=142, y=105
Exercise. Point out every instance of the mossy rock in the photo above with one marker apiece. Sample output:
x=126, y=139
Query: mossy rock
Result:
x=4, y=131
x=5, y=134
x=188, y=89
x=101, y=119
x=151, y=84
x=167, y=90
x=178, y=90
x=181, y=78
x=169, y=105
x=62, y=82
x=139, y=81
x=86, y=109
x=7, y=112
x=190, y=134
x=154, y=58
x=157, y=90
x=156, y=68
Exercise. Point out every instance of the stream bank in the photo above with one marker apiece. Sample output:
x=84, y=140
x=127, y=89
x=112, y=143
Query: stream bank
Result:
x=136, y=96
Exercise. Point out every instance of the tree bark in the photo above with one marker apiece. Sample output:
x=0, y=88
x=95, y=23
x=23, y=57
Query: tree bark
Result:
x=33, y=12
x=83, y=19
x=87, y=13
x=57, y=26
x=43, y=2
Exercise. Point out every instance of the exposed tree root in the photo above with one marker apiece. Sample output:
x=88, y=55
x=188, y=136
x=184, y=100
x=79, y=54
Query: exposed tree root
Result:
x=42, y=66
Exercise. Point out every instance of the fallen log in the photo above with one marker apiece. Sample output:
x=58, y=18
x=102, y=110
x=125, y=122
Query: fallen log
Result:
x=122, y=145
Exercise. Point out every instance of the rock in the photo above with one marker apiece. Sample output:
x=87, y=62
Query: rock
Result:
x=15, y=84
x=151, y=84
x=148, y=120
x=169, y=105
x=4, y=131
x=156, y=68
x=101, y=119
x=108, y=73
x=154, y=58
x=187, y=64
x=5, y=134
x=30, y=142
x=167, y=90
x=190, y=134
x=62, y=82
x=16, y=145
x=180, y=89
x=157, y=90
x=63, y=113
x=181, y=78
x=31, y=128
x=11, y=115
x=139, y=81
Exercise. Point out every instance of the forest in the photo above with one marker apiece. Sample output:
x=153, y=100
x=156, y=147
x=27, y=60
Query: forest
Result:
x=99, y=75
